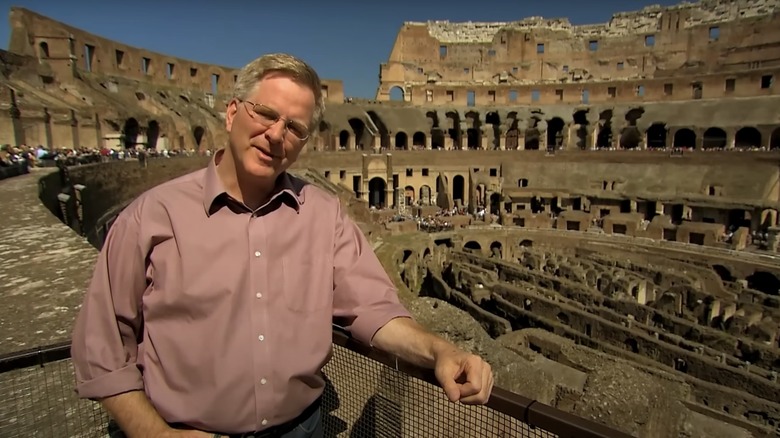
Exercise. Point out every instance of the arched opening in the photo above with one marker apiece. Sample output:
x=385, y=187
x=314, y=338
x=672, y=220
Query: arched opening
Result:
x=453, y=128
x=532, y=135
x=472, y=245
x=433, y=119
x=685, y=139
x=409, y=195
x=397, y=94
x=407, y=253
x=632, y=345
x=723, y=272
x=555, y=133
x=747, y=138
x=656, y=136
x=581, y=121
x=774, y=140
x=714, y=138
x=425, y=195
x=198, y=133
x=324, y=136
x=376, y=193
x=343, y=139
x=130, y=132
x=384, y=133
x=418, y=140
x=512, y=133
x=474, y=132
x=458, y=189
x=493, y=119
x=44, y=50
x=495, y=204
x=630, y=137
x=765, y=282
x=563, y=318
x=526, y=243
x=152, y=134
x=362, y=136
x=495, y=249
x=401, y=141
x=604, y=138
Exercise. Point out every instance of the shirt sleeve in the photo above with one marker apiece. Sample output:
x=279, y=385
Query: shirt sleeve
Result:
x=365, y=298
x=105, y=336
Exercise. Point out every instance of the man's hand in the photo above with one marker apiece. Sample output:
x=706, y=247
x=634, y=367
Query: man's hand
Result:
x=464, y=377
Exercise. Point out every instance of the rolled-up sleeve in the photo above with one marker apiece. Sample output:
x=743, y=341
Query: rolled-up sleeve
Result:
x=365, y=298
x=104, y=340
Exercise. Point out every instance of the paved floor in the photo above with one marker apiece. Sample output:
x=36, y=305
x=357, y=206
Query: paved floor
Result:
x=44, y=269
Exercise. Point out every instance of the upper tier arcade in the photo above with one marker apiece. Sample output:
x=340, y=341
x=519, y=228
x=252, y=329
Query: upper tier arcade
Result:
x=718, y=48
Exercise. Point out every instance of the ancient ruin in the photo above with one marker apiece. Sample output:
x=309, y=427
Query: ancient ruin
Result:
x=593, y=207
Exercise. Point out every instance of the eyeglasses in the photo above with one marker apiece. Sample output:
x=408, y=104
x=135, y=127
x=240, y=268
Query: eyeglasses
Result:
x=268, y=117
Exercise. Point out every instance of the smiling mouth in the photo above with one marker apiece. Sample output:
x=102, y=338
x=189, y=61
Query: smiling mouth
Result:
x=267, y=153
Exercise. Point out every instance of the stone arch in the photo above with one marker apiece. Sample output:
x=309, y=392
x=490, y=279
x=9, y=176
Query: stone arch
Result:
x=397, y=94
x=43, y=50
x=684, y=138
x=453, y=128
x=409, y=195
x=723, y=272
x=493, y=119
x=401, y=140
x=472, y=245
x=376, y=192
x=555, y=132
x=130, y=132
x=362, y=135
x=774, y=140
x=581, y=121
x=418, y=139
x=384, y=133
x=495, y=203
x=496, y=249
x=714, y=138
x=656, y=136
x=152, y=134
x=747, y=138
x=425, y=195
x=630, y=138
x=532, y=135
x=198, y=133
x=344, y=136
x=765, y=282
x=474, y=131
x=604, y=138
x=512, y=132
x=459, y=188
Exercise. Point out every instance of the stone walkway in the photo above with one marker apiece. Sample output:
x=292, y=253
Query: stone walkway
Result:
x=44, y=269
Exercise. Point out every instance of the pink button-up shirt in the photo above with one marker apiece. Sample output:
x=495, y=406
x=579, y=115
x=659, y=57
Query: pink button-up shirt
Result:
x=223, y=315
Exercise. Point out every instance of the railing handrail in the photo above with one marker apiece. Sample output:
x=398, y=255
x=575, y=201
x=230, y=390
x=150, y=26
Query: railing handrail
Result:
x=529, y=411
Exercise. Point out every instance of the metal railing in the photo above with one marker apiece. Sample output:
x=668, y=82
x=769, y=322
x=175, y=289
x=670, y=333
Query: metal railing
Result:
x=368, y=394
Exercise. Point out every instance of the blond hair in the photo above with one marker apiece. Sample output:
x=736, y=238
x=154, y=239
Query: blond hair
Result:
x=288, y=65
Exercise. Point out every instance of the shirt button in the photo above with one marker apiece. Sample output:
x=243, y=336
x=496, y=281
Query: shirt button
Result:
x=264, y=422
x=258, y=253
x=259, y=295
x=261, y=337
x=263, y=381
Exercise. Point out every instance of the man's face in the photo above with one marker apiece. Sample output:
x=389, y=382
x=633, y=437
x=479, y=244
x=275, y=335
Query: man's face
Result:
x=262, y=128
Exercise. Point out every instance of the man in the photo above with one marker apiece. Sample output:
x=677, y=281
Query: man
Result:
x=211, y=304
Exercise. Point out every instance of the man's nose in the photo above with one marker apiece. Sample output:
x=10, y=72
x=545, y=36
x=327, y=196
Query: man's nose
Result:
x=276, y=131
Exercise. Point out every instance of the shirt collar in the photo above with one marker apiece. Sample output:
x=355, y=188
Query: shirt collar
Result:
x=213, y=189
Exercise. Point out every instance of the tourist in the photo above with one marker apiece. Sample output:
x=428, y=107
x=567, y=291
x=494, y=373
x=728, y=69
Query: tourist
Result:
x=210, y=307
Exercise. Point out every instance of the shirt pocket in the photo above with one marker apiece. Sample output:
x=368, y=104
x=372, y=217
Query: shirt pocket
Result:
x=308, y=285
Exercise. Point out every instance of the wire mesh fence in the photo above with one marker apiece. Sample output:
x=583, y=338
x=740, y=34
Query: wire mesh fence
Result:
x=366, y=395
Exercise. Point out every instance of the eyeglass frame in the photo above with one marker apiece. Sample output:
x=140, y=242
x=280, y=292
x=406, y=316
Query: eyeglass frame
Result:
x=287, y=122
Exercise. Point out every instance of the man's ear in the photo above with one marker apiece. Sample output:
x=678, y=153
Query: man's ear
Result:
x=230, y=113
